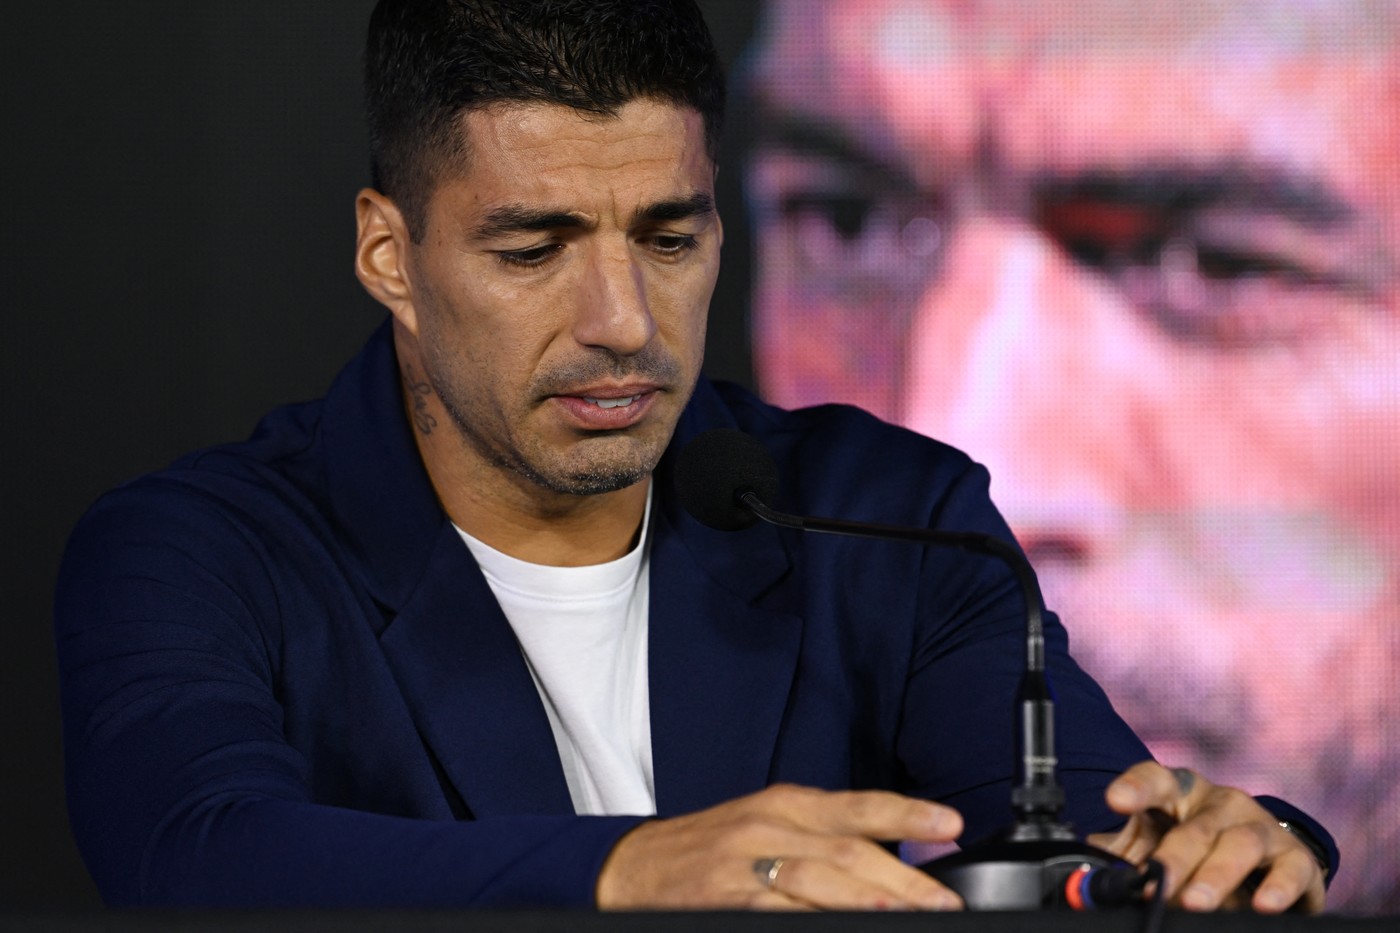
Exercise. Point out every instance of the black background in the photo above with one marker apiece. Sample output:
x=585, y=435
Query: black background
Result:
x=177, y=221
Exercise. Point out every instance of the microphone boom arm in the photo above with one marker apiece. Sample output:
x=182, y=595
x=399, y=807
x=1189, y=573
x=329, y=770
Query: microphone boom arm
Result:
x=1038, y=798
x=967, y=540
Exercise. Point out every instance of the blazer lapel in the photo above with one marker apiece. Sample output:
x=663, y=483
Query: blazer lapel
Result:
x=720, y=665
x=469, y=690
x=450, y=647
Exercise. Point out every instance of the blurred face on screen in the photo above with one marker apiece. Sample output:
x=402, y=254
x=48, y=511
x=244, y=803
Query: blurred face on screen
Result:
x=1141, y=261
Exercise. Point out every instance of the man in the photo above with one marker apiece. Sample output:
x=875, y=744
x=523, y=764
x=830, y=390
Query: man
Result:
x=1140, y=260
x=445, y=637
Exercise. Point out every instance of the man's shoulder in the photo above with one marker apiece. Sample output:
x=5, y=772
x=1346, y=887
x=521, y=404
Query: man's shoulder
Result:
x=286, y=456
x=232, y=508
x=276, y=461
x=275, y=485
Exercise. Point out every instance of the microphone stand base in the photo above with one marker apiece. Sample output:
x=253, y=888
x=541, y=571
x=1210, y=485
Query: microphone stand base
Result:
x=1010, y=874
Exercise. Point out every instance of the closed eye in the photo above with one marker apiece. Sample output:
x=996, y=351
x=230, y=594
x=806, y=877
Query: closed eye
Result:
x=672, y=244
x=530, y=258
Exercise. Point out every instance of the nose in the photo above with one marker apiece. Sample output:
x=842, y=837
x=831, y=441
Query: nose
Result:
x=614, y=308
x=1036, y=368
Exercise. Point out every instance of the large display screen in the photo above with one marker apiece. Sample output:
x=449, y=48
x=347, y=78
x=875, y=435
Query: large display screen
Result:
x=1140, y=259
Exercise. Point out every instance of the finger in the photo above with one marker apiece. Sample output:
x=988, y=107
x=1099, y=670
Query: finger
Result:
x=1294, y=878
x=824, y=885
x=872, y=814
x=1148, y=784
x=1138, y=838
x=1187, y=845
x=852, y=871
x=776, y=900
x=1226, y=862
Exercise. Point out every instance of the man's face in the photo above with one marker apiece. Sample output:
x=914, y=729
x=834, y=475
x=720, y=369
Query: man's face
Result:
x=1141, y=261
x=561, y=289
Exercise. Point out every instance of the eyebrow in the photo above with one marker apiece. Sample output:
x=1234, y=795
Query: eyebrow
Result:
x=1185, y=190
x=697, y=204
x=1165, y=187
x=517, y=218
x=812, y=136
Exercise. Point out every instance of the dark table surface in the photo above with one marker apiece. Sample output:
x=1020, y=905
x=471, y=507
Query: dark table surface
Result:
x=121, y=921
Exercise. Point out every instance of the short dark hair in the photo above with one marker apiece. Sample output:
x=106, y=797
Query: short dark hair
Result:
x=428, y=61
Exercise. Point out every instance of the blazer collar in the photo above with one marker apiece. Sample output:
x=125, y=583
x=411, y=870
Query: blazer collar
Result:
x=388, y=513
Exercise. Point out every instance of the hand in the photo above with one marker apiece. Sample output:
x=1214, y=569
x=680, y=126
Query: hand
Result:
x=1209, y=839
x=824, y=840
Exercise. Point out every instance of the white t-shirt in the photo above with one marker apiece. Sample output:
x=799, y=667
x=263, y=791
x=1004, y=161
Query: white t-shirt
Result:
x=584, y=634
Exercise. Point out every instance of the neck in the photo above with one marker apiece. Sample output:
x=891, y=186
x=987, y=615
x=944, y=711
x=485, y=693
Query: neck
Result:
x=508, y=511
x=591, y=530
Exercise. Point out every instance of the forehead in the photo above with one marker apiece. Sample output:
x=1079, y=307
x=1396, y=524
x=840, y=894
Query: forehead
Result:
x=549, y=152
x=1311, y=87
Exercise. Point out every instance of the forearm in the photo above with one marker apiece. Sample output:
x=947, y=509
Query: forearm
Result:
x=265, y=852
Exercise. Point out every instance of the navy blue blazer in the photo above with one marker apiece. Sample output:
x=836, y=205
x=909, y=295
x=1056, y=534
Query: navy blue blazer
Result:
x=285, y=680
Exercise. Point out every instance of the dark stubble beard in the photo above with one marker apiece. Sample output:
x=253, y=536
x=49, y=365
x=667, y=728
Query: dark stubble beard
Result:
x=633, y=457
x=591, y=481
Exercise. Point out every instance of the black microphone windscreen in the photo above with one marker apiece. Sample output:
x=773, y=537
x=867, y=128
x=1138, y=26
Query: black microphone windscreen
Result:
x=718, y=467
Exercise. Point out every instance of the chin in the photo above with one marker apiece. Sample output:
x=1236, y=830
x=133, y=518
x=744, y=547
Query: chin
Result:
x=596, y=483
x=606, y=466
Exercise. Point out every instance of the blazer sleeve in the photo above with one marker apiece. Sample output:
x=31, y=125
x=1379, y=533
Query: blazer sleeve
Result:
x=182, y=787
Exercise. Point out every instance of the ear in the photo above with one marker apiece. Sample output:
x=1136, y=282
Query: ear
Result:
x=381, y=255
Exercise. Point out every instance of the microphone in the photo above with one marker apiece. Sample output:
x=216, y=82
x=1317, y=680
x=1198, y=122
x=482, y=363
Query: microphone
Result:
x=724, y=478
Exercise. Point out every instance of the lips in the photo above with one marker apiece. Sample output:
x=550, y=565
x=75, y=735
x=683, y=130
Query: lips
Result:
x=607, y=409
x=612, y=402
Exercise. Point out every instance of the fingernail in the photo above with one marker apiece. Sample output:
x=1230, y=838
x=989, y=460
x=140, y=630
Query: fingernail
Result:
x=941, y=900
x=949, y=901
x=1198, y=897
x=940, y=819
x=1124, y=795
x=1271, y=899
